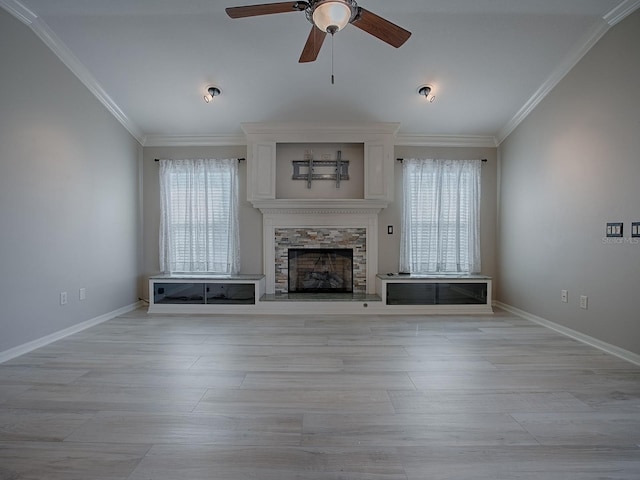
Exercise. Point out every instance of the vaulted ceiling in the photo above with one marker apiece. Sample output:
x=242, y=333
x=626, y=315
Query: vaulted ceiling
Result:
x=150, y=61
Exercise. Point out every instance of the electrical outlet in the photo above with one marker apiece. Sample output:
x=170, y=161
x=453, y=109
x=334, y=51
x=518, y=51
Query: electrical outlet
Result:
x=63, y=298
x=584, y=301
x=564, y=296
x=82, y=293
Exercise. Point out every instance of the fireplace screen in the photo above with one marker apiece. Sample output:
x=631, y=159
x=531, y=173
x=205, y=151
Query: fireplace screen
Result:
x=320, y=270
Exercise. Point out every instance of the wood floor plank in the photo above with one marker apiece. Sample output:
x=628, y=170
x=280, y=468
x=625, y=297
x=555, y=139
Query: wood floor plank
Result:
x=599, y=360
x=204, y=462
x=543, y=380
x=79, y=398
x=520, y=463
x=618, y=398
x=38, y=425
x=292, y=400
x=580, y=428
x=444, y=402
x=169, y=428
x=23, y=372
x=414, y=430
x=380, y=363
x=138, y=377
x=69, y=461
x=331, y=381
x=269, y=363
x=88, y=361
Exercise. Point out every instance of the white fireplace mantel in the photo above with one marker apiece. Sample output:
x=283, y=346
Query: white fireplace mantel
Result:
x=320, y=206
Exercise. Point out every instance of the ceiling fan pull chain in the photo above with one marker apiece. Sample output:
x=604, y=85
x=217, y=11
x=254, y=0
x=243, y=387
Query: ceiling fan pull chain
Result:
x=332, y=79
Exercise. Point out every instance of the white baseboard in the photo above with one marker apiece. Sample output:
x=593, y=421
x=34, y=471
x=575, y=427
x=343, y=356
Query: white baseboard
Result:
x=41, y=342
x=581, y=337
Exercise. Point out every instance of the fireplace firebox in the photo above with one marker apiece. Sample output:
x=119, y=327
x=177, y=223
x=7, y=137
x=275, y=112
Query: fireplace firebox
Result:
x=320, y=270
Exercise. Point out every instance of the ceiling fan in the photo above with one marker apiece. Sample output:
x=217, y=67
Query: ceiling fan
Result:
x=328, y=16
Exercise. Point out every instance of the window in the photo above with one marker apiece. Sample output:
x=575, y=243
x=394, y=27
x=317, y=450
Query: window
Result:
x=441, y=217
x=199, y=216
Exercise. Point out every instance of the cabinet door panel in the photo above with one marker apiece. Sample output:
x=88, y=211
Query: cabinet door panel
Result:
x=263, y=172
x=377, y=172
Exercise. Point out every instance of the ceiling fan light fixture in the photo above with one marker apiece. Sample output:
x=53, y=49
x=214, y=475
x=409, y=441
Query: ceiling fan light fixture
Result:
x=332, y=15
x=211, y=93
x=427, y=92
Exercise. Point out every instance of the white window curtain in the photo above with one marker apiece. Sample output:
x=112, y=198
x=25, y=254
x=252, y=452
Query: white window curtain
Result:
x=441, y=216
x=199, y=216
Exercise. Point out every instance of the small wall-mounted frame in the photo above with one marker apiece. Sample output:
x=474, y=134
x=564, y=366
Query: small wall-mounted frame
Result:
x=614, y=229
x=635, y=230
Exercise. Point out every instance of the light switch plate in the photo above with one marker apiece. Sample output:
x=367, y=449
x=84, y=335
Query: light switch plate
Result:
x=584, y=302
x=614, y=229
x=635, y=229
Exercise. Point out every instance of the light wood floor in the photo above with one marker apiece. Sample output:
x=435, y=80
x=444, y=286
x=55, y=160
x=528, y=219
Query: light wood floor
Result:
x=320, y=398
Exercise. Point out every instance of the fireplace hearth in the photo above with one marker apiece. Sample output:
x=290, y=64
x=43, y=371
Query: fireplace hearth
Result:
x=320, y=270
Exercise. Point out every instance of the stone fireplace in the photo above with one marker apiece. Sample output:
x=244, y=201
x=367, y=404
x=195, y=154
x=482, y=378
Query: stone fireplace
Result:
x=321, y=238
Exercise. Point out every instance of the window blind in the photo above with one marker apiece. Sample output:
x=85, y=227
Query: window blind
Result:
x=441, y=212
x=199, y=216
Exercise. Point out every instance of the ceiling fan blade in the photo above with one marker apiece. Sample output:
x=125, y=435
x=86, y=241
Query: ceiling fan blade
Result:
x=263, y=9
x=313, y=45
x=381, y=28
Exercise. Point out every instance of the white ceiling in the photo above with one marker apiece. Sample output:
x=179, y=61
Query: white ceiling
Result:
x=150, y=61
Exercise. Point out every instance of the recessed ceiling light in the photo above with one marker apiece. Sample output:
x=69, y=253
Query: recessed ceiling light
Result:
x=427, y=92
x=211, y=92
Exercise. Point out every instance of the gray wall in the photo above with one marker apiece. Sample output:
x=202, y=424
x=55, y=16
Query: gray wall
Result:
x=569, y=168
x=68, y=195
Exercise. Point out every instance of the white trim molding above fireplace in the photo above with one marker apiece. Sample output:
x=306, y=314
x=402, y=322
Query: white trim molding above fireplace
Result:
x=320, y=214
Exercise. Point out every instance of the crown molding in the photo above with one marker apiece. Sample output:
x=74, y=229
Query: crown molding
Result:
x=417, y=140
x=57, y=46
x=193, y=140
x=324, y=128
x=240, y=140
x=575, y=55
x=19, y=11
x=626, y=8
x=592, y=37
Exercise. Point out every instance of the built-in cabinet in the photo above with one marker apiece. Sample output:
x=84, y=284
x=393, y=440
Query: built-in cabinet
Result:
x=378, y=172
x=245, y=294
x=444, y=293
x=377, y=142
x=261, y=171
x=205, y=293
